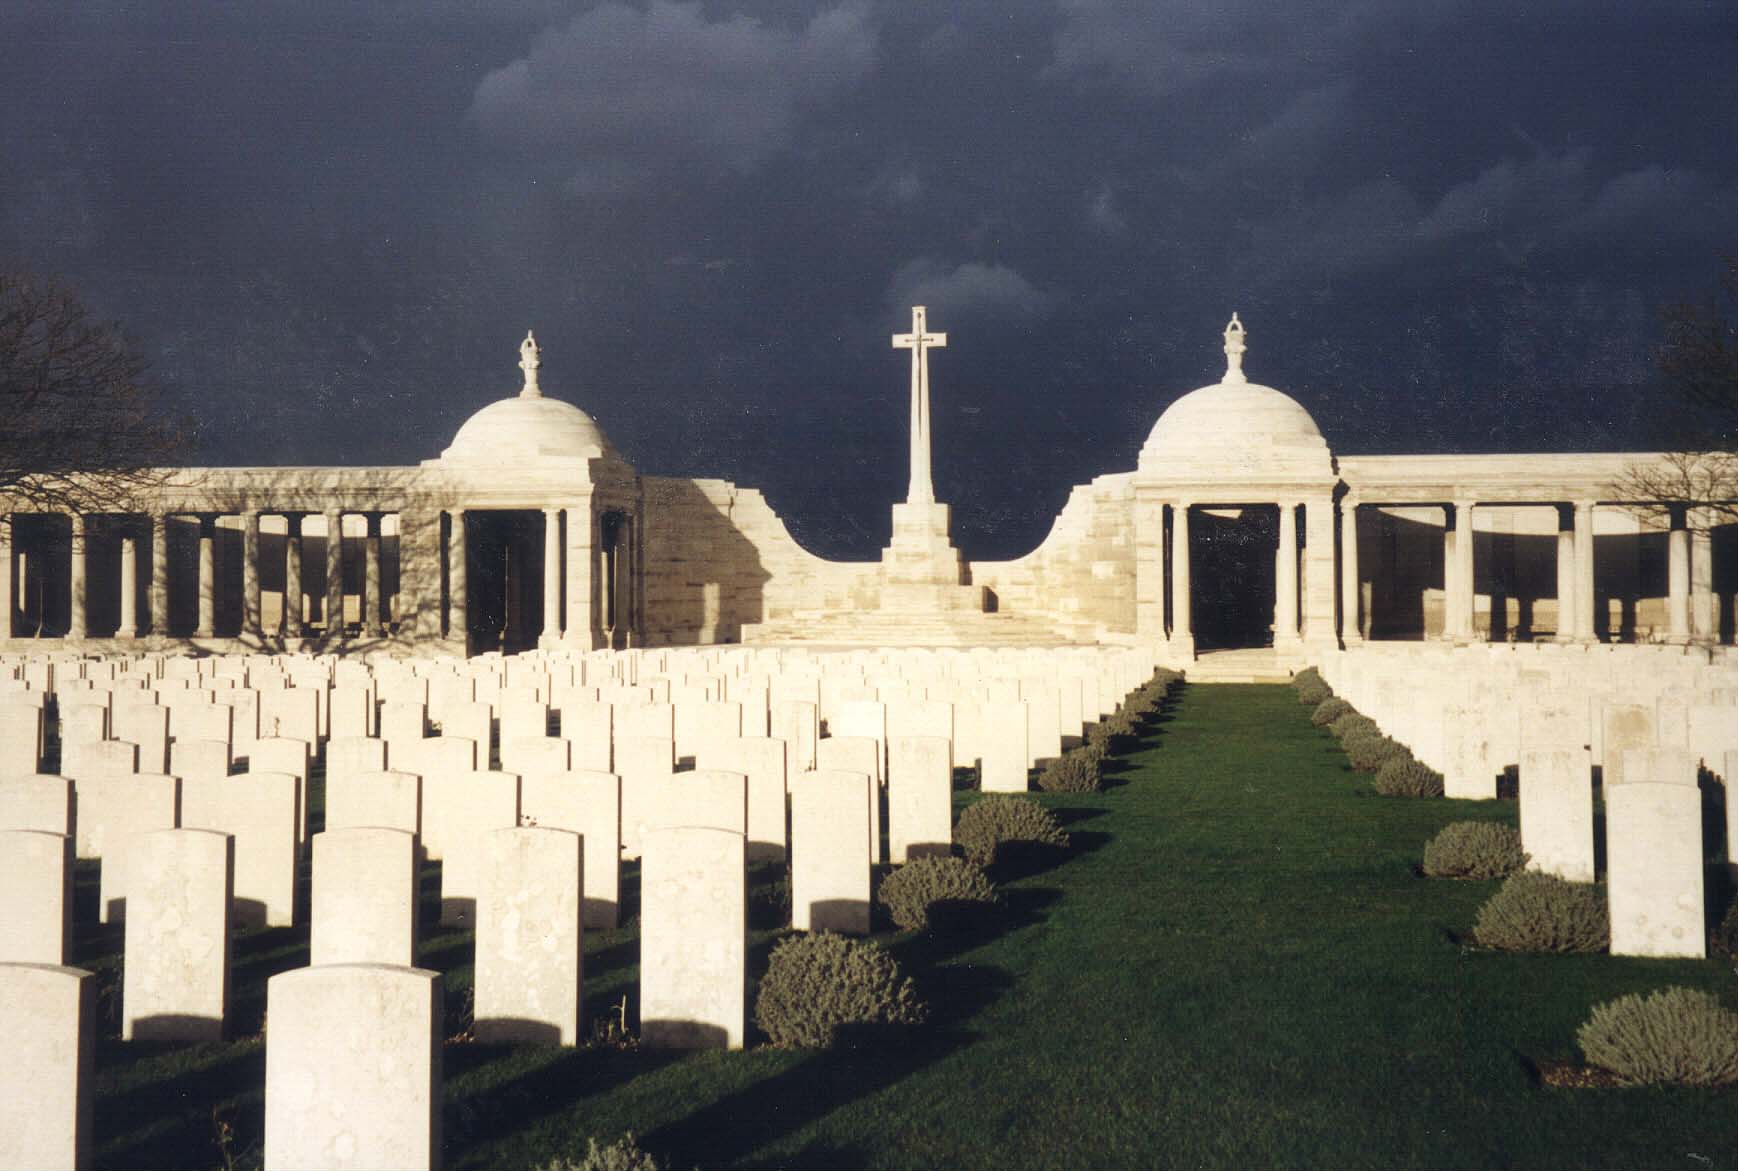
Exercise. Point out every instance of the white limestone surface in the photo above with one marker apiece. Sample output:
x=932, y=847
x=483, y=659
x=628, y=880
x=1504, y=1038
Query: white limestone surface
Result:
x=175, y=966
x=1653, y=835
x=36, y=801
x=529, y=967
x=48, y=1080
x=392, y=800
x=364, y=898
x=919, y=797
x=353, y=1068
x=830, y=859
x=1556, y=807
x=35, y=897
x=693, y=939
x=588, y=804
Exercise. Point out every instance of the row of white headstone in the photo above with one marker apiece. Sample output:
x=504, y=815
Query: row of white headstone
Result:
x=1649, y=718
x=181, y=890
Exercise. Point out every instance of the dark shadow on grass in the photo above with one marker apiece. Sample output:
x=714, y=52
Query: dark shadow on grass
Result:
x=1017, y=860
x=511, y=1101
x=185, y=1101
x=728, y=1130
x=612, y=957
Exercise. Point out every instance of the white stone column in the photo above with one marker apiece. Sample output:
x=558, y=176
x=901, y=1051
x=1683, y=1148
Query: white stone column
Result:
x=581, y=541
x=8, y=567
x=1584, y=567
x=129, y=627
x=159, y=575
x=292, y=575
x=1182, y=629
x=334, y=607
x=250, y=589
x=1678, y=578
x=1351, y=591
x=1317, y=586
x=1703, y=629
x=458, y=609
x=207, y=576
x=371, y=603
x=606, y=554
x=551, y=635
x=1285, y=576
x=80, y=549
x=1461, y=590
x=631, y=579
x=1565, y=575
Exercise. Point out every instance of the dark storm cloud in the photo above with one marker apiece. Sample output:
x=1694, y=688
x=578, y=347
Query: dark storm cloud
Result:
x=1448, y=225
x=619, y=94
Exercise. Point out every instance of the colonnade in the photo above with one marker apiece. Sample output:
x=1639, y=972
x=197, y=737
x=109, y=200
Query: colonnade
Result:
x=1689, y=578
x=135, y=530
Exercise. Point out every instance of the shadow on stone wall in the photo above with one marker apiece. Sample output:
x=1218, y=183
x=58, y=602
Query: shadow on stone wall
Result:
x=704, y=577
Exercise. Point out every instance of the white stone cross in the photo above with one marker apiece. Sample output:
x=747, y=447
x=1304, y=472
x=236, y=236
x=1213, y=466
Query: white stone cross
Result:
x=918, y=341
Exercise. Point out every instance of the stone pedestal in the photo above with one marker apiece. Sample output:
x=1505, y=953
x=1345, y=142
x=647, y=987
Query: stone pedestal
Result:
x=921, y=570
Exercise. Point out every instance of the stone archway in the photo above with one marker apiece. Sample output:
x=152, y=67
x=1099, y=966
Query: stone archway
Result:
x=1233, y=551
x=504, y=578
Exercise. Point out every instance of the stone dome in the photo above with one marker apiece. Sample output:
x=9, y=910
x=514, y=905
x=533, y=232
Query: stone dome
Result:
x=527, y=428
x=1236, y=430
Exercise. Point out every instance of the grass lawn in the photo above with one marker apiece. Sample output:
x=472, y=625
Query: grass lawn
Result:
x=1236, y=964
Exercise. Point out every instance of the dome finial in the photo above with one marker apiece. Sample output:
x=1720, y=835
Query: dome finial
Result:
x=1234, y=347
x=529, y=360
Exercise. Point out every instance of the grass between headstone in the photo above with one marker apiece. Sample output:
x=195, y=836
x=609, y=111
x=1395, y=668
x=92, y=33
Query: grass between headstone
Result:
x=1236, y=964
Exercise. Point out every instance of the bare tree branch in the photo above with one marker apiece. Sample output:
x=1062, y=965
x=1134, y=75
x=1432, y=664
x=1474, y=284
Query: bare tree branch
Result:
x=81, y=428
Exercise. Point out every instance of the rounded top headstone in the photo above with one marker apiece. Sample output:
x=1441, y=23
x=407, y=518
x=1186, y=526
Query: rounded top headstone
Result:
x=1235, y=429
x=529, y=427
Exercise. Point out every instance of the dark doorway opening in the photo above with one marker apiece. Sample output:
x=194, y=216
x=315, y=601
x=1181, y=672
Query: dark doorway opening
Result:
x=504, y=579
x=1231, y=556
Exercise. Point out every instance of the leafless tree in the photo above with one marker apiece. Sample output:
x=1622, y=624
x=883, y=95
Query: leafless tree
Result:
x=81, y=426
x=1699, y=360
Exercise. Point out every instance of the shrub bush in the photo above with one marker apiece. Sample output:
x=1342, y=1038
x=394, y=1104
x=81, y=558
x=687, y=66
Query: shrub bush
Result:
x=1312, y=692
x=1076, y=771
x=985, y=825
x=1474, y=849
x=1308, y=677
x=1404, y=776
x=1351, y=724
x=1329, y=710
x=622, y=1155
x=1369, y=751
x=1541, y=912
x=1680, y=1036
x=926, y=888
x=1725, y=941
x=817, y=983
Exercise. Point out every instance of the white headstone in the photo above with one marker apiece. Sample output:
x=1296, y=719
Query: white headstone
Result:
x=175, y=969
x=48, y=1080
x=857, y=754
x=830, y=861
x=37, y=801
x=35, y=897
x=762, y=760
x=919, y=797
x=588, y=804
x=347, y=756
x=199, y=759
x=1556, y=802
x=390, y=800
x=364, y=897
x=110, y=810
x=353, y=1068
x=1653, y=837
x=21, y=735
x=693, y=939
x=528, y=969
x=148, y=727
x=458, y=810
x=259, y=811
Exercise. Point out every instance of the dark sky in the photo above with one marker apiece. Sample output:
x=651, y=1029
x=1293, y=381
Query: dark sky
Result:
x=1448, y=226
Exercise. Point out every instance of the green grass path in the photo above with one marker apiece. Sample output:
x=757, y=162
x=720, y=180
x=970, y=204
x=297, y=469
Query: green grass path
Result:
x=1236, y=966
